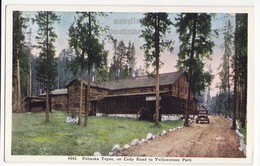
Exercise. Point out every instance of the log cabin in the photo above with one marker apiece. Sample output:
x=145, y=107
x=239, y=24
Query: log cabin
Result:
x=33, y=104
x=134, y=95
x=58, y=101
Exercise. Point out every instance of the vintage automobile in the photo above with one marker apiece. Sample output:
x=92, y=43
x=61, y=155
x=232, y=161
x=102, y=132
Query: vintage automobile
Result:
x=202, y=116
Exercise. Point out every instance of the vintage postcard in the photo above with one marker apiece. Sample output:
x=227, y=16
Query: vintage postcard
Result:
x=129, y=84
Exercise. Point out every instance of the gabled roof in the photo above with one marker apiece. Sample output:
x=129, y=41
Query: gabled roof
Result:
x=85, y=82
x=143, y=81
x=56, y=92
x=136, y=82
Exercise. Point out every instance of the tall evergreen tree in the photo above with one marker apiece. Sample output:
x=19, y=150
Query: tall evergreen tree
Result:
x=46, y=67
x=196, y=44
x=29, y=86
x=84, y=36
x=123, y=61
x=130, y=58
x=64, y=74
x=121, y=56
x=114, y=67
x=156, y=26
x=225, y=65
x=240, y=68
x=20, y=53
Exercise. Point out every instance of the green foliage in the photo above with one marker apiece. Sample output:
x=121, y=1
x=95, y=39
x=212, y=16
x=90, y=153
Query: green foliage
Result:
x=20, y=50
x=19, y=27
x=24, y=70
x=64, y=74
x=87, y=50
x=148, y=34
x=130, y=57
x=31, y=137
x=240, y=68
x=101, y=71
x=201, y=79
x=243, y=131
x=123, y=61
x=241, y=46
x=46, y=65
x=228, y=51
x=202, y=49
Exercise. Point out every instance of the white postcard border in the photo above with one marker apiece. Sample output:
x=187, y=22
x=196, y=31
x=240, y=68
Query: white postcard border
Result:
x=58, y=159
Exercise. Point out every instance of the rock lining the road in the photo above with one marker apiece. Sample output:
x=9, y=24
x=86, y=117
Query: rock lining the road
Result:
x=117, y=149
x=242, y=145
x=216, y=139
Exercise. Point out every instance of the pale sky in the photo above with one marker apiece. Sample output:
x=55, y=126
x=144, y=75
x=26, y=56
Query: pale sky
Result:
x=126, y=27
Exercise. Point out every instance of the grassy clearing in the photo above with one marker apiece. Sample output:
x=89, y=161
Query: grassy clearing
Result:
x=30, y=136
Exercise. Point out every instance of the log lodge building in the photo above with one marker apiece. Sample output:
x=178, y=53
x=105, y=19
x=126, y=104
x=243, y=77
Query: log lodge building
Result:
x=133, y=95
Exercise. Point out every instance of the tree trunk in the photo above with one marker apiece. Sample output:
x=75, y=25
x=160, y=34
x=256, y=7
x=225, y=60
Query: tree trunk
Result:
x=87, y=110
x=81, y=94
x=157, y=54
x=244, y=105
x=240, y=109
x=228, y=84
x=236, y=99
x=47, y=120
x=225, y=109
x=15, y=94
x=29, y=91
x=89, y=74
x=47, y=108
x=234, y=127
x=18, y=108
x=18, y=87
x=188, y=102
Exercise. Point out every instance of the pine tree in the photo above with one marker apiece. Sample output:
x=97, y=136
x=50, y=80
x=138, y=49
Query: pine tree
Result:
x=130, y=58
x=225, y=65
x=196, y=44
x=20, y=53
x=46, y=65
x=89, y=52
x=64, y=74
x=114, y=67
x=29, y=90
x=240, y=69
x=121, y=56
x=156, y=26
x=123, y=61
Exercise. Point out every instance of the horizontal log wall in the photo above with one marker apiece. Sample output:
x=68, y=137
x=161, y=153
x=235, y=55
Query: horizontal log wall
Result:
x=33, y=104
x=139, y=90
x=181, y=87
x=74, y=96
x=133, y=104
x=59, y=102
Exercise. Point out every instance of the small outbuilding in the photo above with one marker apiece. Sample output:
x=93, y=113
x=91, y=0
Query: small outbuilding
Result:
x=33, y=104
x=58, y=99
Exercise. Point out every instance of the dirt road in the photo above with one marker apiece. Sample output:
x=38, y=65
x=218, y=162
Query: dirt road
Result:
x=199, y=140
